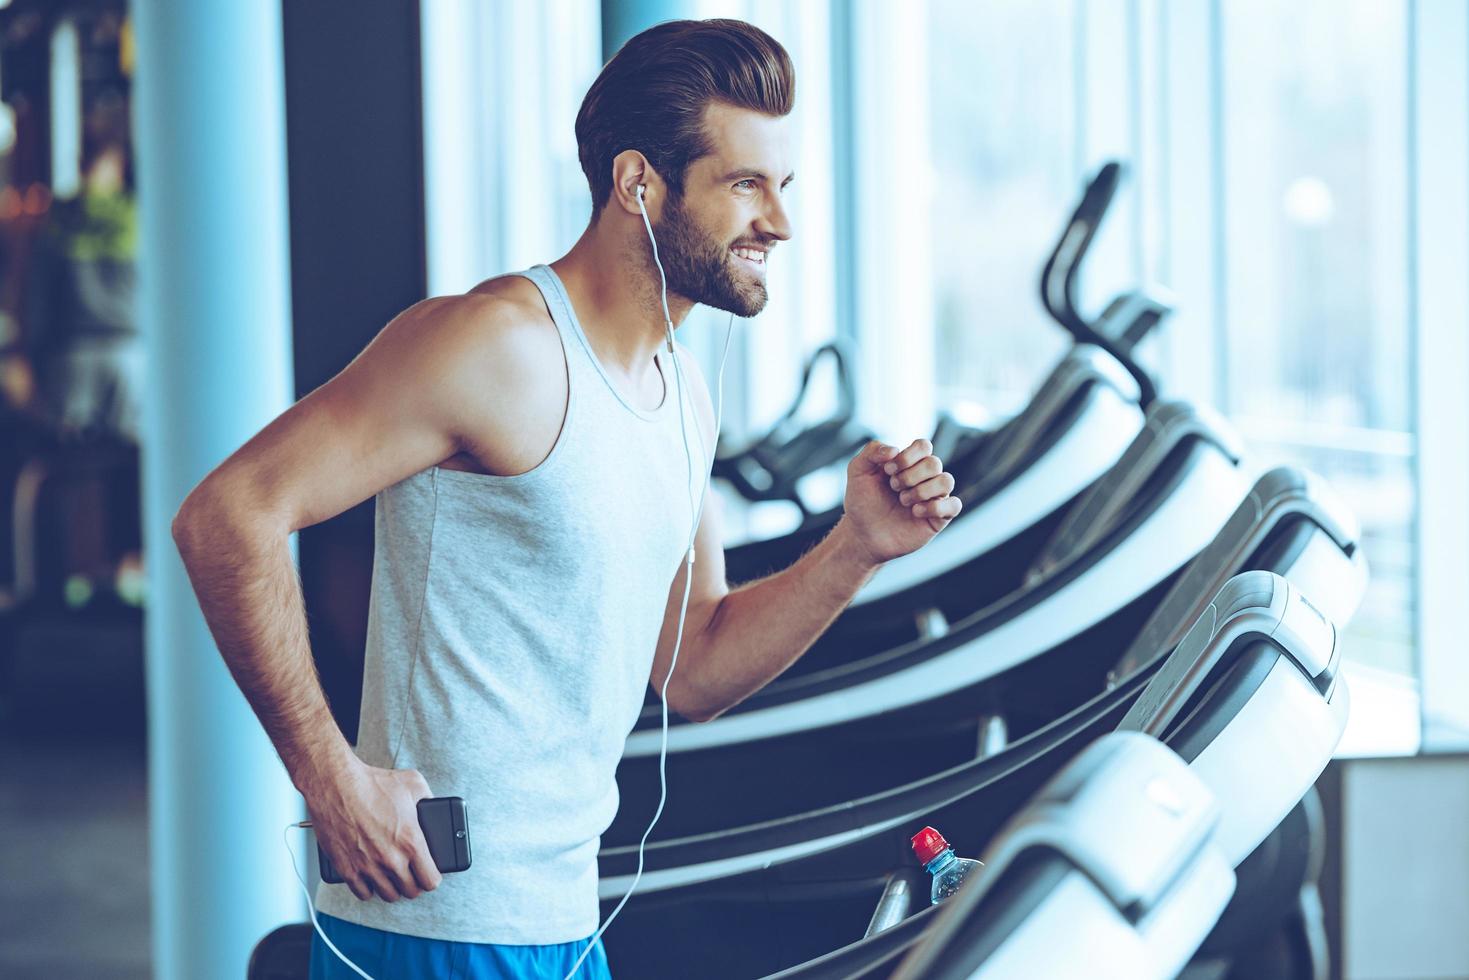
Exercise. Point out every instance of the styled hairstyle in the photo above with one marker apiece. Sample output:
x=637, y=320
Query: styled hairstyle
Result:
x=651, y=96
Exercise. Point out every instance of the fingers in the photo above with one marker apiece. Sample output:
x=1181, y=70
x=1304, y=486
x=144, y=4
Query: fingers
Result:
x=917, y=449
x=872, y=457
x=389, y=887
x=397, y=877
x=943, y=509
x=409, y=865
x=925, y=469
x=938, y=512
x=915, y=475
x=402, y=878
x=937, y=486
x=379, y=885
x=358, y=883
x=425, y=874
x=418, y=871
x=359, y=888
x=380, y=878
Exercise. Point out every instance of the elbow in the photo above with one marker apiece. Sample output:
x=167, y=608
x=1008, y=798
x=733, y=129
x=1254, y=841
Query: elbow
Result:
x=702, y=710
x=699, y=715
x=690, y=707
x=200, y=517
x=196, y=512
x=185, y=522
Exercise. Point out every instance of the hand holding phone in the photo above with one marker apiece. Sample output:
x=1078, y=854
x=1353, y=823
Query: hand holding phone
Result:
x=371, y=831
x=445, y=824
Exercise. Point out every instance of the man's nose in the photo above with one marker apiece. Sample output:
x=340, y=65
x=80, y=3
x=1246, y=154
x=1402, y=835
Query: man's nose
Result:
x=775, y=222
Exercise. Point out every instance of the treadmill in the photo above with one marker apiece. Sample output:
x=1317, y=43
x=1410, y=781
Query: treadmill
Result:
x=1078, y=422
x=783, y=892
x=854, y=720
x=1110, y=872
x=956, y=574
x=772, y=466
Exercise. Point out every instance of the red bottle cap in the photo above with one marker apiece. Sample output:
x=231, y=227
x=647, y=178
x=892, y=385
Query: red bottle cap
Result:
x=929, y=844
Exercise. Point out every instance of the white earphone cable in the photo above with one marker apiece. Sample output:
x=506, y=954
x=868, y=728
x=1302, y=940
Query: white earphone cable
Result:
x=310, y=907
x=698, y=512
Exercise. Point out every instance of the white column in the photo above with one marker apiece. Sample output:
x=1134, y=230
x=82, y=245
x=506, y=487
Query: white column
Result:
x=215, y=307
x=894, y=186
x=1440, y=246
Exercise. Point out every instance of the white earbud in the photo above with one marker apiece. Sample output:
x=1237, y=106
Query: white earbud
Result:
x=663, y=278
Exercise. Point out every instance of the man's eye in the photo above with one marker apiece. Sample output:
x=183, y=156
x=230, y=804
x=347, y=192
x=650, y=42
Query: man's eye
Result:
x=748, y=181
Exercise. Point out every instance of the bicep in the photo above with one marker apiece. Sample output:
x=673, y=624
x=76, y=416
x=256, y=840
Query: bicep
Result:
x=707, y=589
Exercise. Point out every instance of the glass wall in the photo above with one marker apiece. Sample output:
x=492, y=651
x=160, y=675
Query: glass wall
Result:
x=1268, y=150
x=1315, y=161
x=504, y=188
x=1002, y=121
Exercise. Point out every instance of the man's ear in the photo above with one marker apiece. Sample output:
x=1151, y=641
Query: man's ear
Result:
x=629, y=169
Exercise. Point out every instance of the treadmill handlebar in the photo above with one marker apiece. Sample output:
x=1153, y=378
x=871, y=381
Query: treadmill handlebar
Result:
x=1280, y=493
x=1169, y=813
x=1252, y=603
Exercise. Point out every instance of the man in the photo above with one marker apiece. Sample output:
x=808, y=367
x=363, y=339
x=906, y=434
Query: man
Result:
x=526, y=446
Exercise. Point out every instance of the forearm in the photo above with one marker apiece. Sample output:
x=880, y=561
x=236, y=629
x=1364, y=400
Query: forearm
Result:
x=250, y=594
x=761, y=628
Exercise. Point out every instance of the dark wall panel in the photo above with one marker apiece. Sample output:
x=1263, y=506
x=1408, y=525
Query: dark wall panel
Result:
x=355, y=155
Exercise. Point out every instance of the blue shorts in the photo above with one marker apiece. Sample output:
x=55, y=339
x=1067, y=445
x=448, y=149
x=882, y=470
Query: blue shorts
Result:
x=393, y=956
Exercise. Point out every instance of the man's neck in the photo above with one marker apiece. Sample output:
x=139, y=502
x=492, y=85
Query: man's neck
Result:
x=615, y=288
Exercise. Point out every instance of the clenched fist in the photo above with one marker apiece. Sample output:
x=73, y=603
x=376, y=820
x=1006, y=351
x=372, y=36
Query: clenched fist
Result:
x=898, y=500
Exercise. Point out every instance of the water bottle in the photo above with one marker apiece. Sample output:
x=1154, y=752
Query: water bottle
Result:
x=948, y=871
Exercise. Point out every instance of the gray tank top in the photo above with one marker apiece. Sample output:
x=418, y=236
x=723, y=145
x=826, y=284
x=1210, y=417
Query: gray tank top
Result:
x=511, y=632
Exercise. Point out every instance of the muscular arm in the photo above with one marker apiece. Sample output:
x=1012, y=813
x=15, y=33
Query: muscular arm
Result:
x=445, y=375
x=241, y=569
x=736, y=642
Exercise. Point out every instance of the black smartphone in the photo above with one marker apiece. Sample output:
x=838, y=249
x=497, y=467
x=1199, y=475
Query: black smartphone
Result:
x=445, y=823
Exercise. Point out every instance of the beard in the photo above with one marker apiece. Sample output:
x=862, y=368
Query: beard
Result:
x=702, y=269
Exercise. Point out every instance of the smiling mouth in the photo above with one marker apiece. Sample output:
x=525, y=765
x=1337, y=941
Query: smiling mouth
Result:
x=752, y=257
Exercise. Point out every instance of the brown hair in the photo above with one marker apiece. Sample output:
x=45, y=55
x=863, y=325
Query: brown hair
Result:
x=651, y=96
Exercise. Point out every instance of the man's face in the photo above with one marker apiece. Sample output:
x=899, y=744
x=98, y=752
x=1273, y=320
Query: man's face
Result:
x=714, y=240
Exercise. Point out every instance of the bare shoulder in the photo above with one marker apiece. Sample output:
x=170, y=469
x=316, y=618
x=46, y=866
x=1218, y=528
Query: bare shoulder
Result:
x=506, y=331
x=473, y=382
x=494, y=358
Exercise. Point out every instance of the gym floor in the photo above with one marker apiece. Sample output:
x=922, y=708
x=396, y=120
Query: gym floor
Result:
x=74, y=895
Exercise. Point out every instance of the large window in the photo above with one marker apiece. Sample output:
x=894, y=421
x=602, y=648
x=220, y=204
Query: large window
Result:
x=503, y=186
x=1315, y=299
x=1002, y=124
x=1270, y=150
